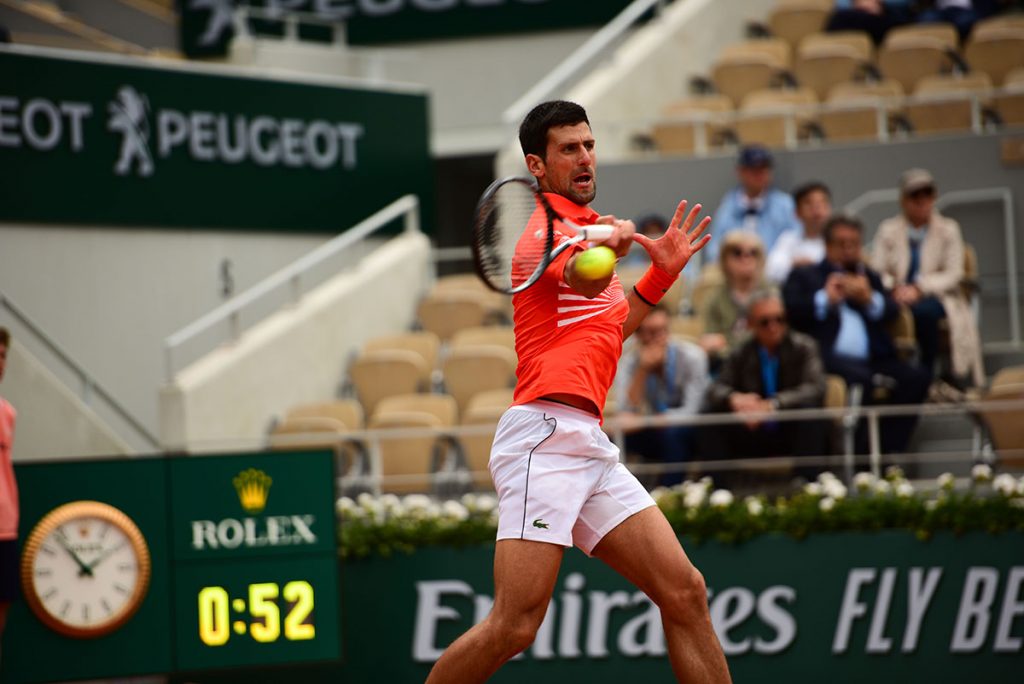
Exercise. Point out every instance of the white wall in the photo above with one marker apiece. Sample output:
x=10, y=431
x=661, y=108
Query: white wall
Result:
x=52, y=422
x=471, y=81
x=298, y=355
x=110, y=296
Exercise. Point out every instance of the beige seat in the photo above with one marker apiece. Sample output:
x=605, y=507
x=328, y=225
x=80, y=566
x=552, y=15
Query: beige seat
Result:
x=422, y=342
x=835, y=391
x=1009, y=105
x=686, y=120
x=901, y=330
x=912, y=57
x=944, y=33
x=384, y=373
x=748, y=66
x=416, y=462
x=1006, y=428
x=348, y=412
x=306, y=432
x=484, y=408
x=792, y=20
x=443, y=313
x=943, y=113
x=686, y=327
x=1014, y=79
x=498, y=305
x=498, y=335
x=975, y=83
x=775, y=118
x=335, y=419
x=821, y=67
x=860, y=111
x=471, y=370
x=997, y=24
x=856, y=91
x=857, y=41
x=996, y=52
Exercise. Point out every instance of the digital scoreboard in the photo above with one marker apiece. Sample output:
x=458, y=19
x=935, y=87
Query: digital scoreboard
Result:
x=175, y=564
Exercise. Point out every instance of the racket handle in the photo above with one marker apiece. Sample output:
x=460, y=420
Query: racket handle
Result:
x=596, y=233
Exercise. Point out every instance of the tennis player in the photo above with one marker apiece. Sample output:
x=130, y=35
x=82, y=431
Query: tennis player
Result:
x=558, y=477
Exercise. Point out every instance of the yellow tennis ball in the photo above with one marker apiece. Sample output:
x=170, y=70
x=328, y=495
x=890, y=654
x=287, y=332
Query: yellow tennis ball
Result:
x=595, y=263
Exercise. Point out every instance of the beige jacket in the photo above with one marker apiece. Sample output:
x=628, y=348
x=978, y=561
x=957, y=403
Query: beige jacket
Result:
x=940, y=273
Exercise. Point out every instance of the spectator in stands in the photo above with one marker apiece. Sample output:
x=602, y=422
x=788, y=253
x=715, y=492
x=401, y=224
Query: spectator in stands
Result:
x=871, y=16
x=9, y=570
x=651, y=225
x=960, y=13
x=844, y=306
x=661, y=376
x=920, y=255
x=754, y=206
x=724, y=311
x=806, y=246
x=775, y=369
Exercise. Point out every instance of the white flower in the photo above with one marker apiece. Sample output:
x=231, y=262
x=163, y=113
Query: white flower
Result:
x=1020, y=486
x=864, y=481
x=904, y=489
x=660, y=494
x=981, y=472
x=894, y=472
x=694, y=494
x=345, y=505
x=946, y=481
x=827, y=477
x=366, y=500
x=754, y=506
x=814, y=489
x=827, y=504
x=417, y=502
x=705, y=482
x=390, y=501
x=1005, y=484
x=931, y=505
x=455, y=510
x=721, y=498
x=834, y=489
x=485, y=503
x=882, y=487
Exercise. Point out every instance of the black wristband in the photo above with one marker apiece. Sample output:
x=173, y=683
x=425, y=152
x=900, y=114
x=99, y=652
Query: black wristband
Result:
x=641, y=297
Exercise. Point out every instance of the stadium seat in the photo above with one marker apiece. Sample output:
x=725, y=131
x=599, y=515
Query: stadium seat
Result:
x=976, y=83
x=1006, y=428
x=792, y=20
x=820, y=67
x=841, y=122
x=901, y=330
x=422, y=342
x=1009, y=105
x=384, y=373
x=996, y=52
x=443, y=313
x=858, y=41
x=499, y=335
x=498, y=305
x=748, y=66
x=686, y=327
x=335, y=419
x=483, y=409
x=306, y=432
x=418, y=462
x=937, y=113
x=851, y=92
x=941, y=32
x=775, y=117
x=835, y=391
x=912, y=57
x=471, y=370
x=348, y=412
x=686, y=120
x=997, y=24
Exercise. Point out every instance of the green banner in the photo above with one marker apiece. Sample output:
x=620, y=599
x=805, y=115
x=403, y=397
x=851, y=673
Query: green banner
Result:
x=207, y=26
x=86, y=141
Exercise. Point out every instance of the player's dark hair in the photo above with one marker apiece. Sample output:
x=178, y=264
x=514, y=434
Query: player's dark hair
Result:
x=841, y=221
x=807, y=188
x=533, y=132
x=5, y=337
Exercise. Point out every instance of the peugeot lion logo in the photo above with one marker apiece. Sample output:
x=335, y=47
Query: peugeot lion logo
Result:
x=129, y=116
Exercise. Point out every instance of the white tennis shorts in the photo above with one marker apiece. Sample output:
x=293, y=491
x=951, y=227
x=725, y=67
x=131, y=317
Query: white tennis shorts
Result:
x=559, y=478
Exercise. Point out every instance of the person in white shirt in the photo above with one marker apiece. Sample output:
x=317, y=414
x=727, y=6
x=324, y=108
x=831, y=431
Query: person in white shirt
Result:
x=803, y=246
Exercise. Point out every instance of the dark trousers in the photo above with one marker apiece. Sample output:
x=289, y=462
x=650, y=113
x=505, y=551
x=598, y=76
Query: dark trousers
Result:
x=906, y=384
x=662, y=445
x=928, y=312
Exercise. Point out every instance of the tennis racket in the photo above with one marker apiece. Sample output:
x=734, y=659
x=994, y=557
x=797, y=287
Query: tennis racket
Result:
x=511, y=212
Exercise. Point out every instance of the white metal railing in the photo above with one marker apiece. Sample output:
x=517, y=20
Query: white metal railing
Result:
x=229, y=312
x=595, y=46
x=954, y=198
x=90, y=390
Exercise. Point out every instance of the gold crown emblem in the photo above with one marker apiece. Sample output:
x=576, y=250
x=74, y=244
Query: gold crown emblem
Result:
x=253, y=487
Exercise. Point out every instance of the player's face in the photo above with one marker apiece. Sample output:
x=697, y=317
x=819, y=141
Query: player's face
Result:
x=813, y=211
x=569, y=167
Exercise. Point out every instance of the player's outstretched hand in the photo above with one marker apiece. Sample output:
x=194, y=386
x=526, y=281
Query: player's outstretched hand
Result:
x=672, y=251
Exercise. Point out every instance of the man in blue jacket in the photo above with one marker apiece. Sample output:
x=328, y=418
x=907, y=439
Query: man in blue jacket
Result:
x=754, y=205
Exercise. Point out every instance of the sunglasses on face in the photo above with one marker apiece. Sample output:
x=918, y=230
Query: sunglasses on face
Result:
x=745, y=253
x=922, y=194
x=766, y=321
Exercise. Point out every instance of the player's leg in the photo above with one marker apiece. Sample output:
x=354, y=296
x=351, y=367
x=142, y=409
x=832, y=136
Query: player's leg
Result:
x=524, y=579
x=645, y=550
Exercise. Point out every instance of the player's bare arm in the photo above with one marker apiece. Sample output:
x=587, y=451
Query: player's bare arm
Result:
x=619, y=242
x=671, y=252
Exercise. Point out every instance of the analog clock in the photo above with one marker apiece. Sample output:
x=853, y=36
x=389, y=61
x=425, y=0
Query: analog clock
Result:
x=85, y=569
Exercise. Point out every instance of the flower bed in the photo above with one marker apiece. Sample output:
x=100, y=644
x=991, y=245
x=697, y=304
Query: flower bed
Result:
x=383, y=525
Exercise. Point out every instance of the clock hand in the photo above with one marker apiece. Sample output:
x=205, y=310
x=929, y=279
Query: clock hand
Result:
x=104, y=556
x=83, y=568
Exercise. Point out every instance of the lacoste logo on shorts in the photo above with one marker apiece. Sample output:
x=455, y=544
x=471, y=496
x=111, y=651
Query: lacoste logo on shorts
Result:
x=540, y=523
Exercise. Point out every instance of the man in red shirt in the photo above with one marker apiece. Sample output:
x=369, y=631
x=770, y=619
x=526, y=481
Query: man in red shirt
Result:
x=558, y=477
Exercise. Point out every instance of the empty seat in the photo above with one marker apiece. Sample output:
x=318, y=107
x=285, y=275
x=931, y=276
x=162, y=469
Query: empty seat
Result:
x=997, y=24
x=1009, y=105
x=851, y=92
x=1014, y=79
x=692, y=124
x=997, y=53
x=912, y=57
x=444, y=313
x=471, y=370
x=792, y=20
x=688, y=327
x=498, y=305
x=845, y=122
x=348, y=412
x=773, y=49
x=384, y=373
x=821, y=67
x=499, y=335
x=945, y=34
x=976, y=82
x=857, y=41
x=441, y=406
x=939, y=113
x=776, y=118
x=485, y=408
x=752, y=65
x=307, y=432
x=422, y=342
x=414, y=462
x=1006, y=427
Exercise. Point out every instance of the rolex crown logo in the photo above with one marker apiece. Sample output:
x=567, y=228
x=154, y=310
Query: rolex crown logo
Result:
x=253, y=487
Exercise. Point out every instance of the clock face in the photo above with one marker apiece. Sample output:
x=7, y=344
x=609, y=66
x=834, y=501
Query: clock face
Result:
x=85, y=569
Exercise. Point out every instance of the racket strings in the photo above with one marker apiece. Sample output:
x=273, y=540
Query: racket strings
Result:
x=512, y=237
